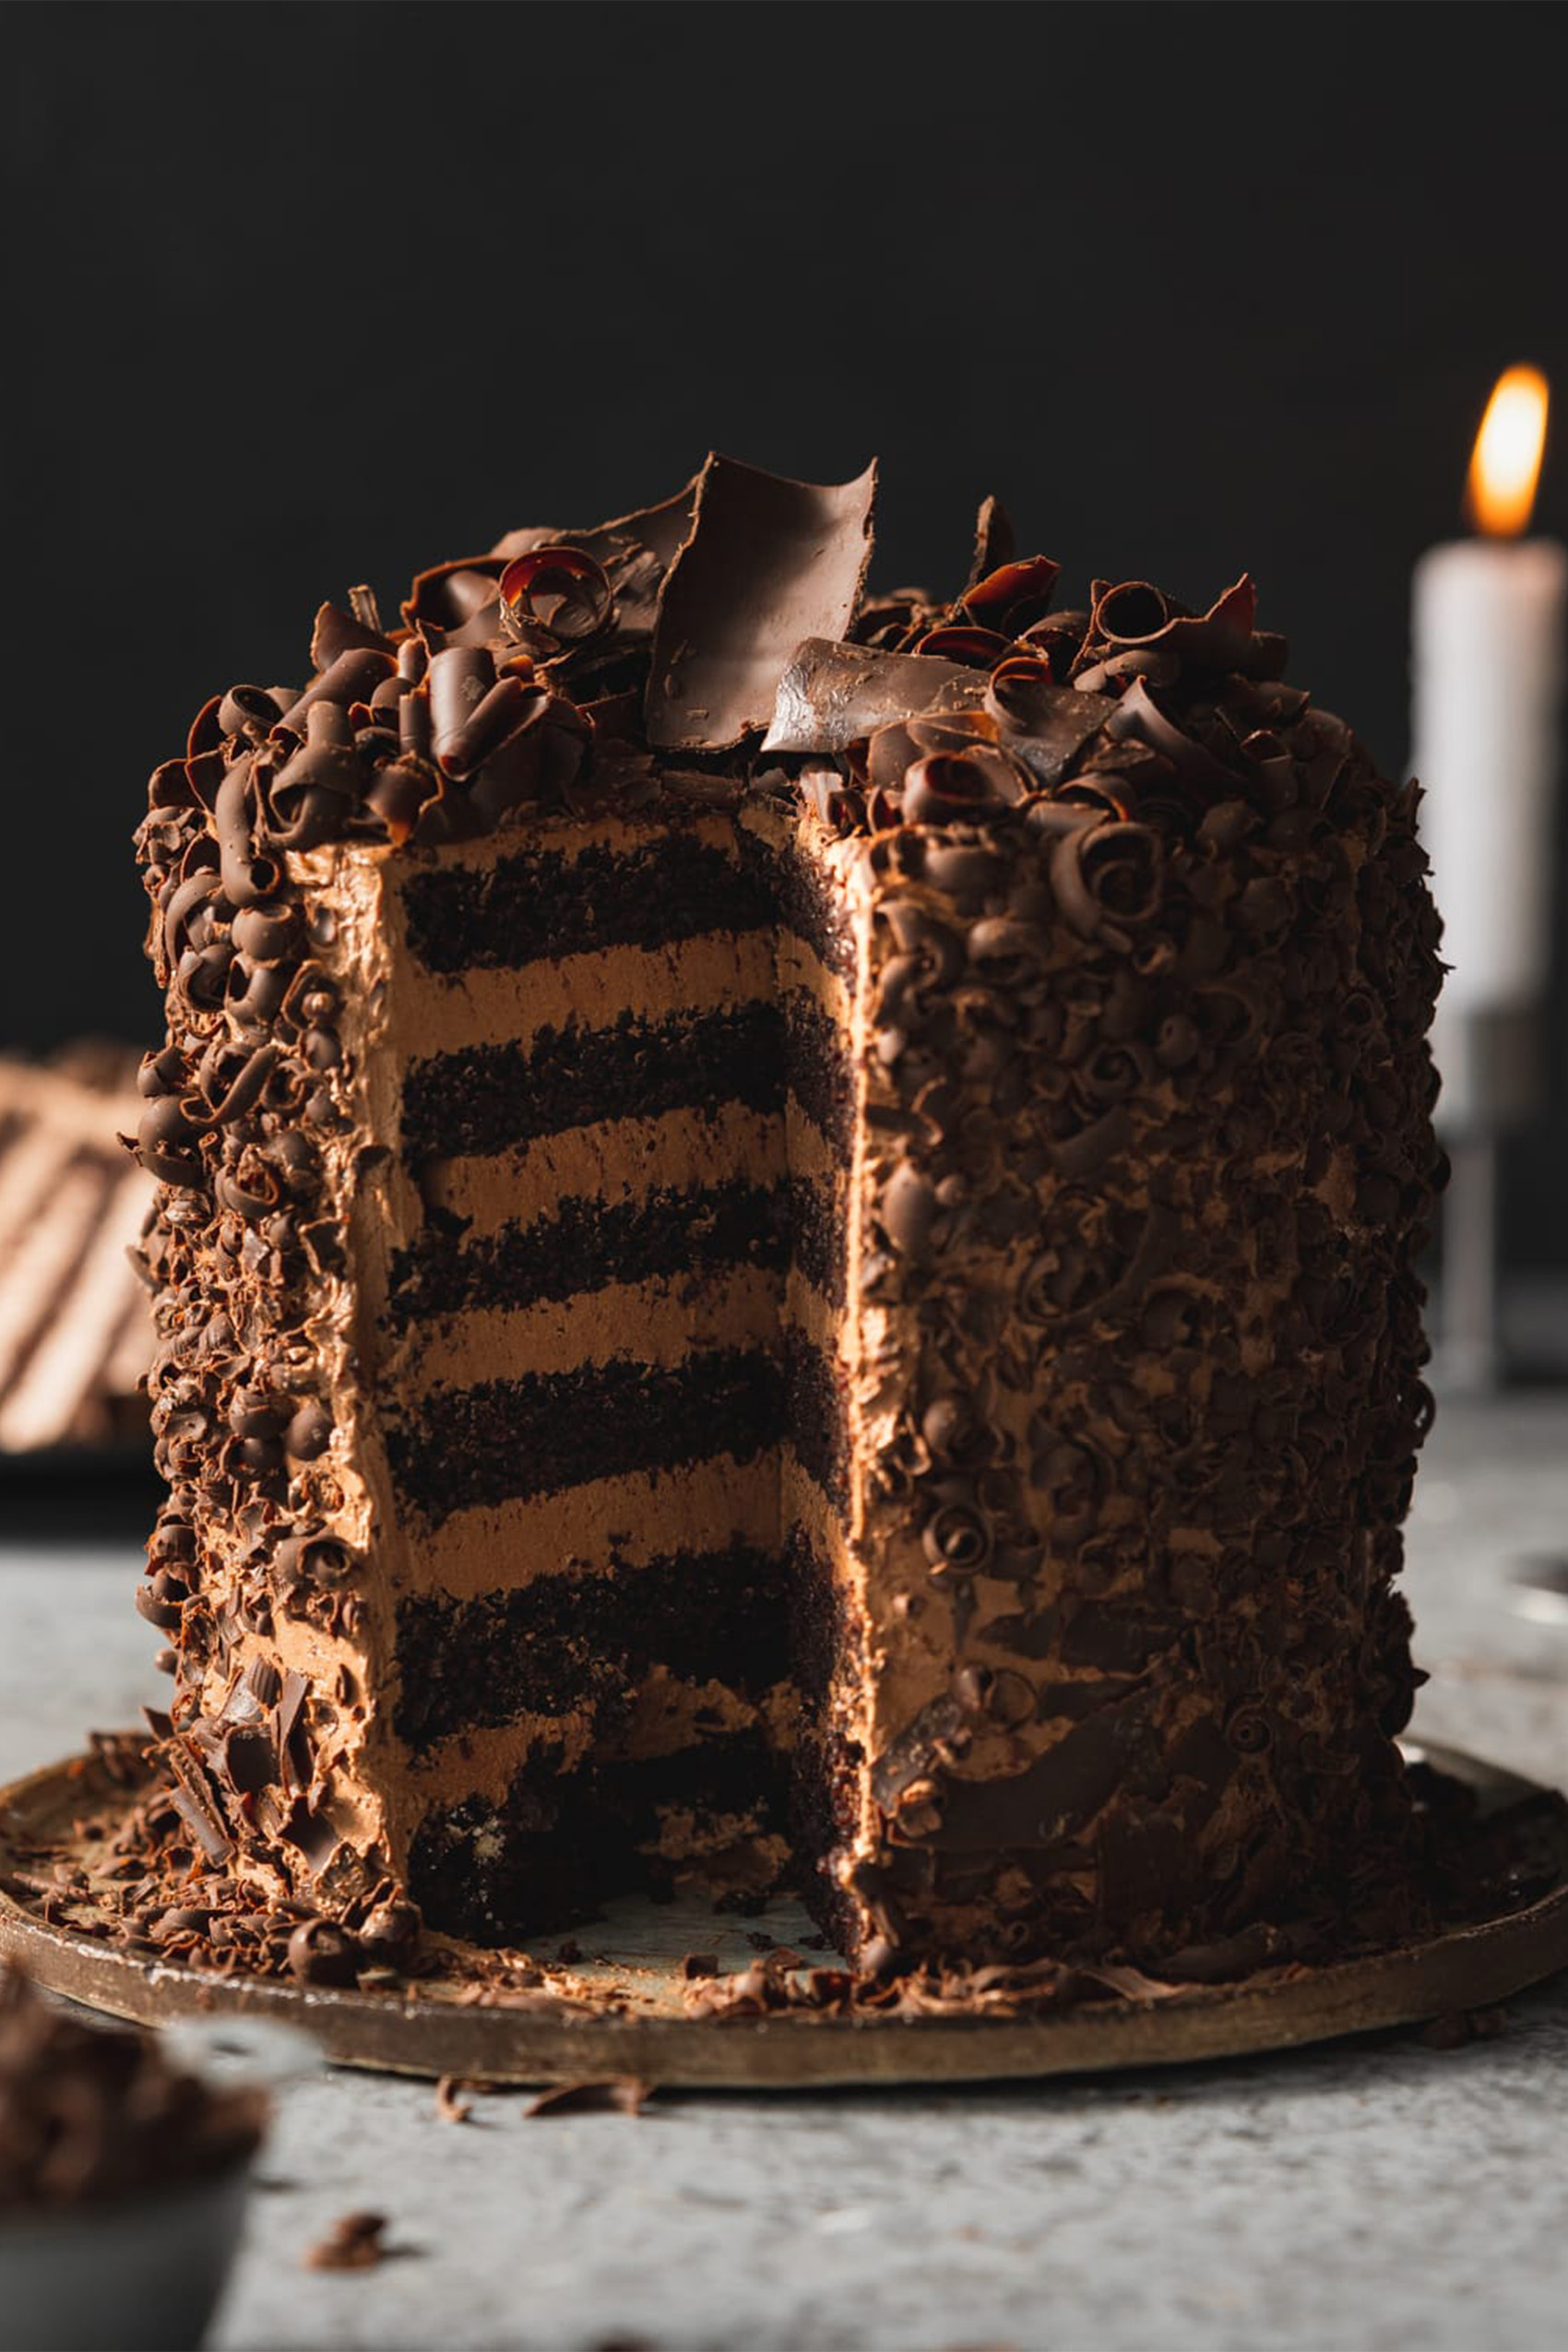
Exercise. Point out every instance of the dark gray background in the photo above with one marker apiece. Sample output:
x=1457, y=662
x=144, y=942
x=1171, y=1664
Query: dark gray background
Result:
x=303, y=296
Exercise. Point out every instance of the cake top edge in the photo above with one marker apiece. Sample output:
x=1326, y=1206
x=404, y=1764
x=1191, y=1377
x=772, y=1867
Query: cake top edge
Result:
x=722, y=642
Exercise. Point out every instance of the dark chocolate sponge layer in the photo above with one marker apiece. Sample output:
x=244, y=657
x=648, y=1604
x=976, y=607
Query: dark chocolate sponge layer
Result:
x=560, y=1846
x=587, y=1244
x=507, y=1440
x=538, y=906
x=567, y=1642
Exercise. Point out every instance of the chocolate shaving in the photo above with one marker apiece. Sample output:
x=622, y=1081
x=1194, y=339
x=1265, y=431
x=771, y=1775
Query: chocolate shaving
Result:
x=833, y=694
x=769, y=562
x=613, y=2094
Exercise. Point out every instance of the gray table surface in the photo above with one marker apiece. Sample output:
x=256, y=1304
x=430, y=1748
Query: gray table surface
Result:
x=1368, y=2194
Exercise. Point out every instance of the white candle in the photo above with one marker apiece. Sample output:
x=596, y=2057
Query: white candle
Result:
x=1489, y=618
x=1488, y=628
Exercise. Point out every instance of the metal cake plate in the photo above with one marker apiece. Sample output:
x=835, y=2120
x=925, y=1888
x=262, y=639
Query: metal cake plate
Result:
x=622, y=2009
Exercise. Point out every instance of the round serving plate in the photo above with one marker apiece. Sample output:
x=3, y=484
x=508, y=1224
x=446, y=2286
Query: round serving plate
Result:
x=614, y=1999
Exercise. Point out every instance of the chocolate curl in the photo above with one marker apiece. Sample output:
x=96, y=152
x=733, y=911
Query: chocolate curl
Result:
x=508, y=706
x=169, y=786
x=317, y=787
x=1137, y=718
x=413, y=660
x=336, y=633
x=449, y=594
x=399, y=795
x=1105, y=876
x=1133, y=614
x=247, y=877
x=1058, y=639
x=244, y=1091
x=558, y=590
x=539, y=760
x=1044, y=725
x=894, y=748
x=415, y=732
x=204, y=752
x=946, y=787
x=167, y=1136
x=448, y=815
x=353, y=677
x=248, y=710
x=636, y=551
x=460, y=678
x=207, y=733
x=1013, y=595
x=194, y=892
x=994, y=544
x=1129, y=612
x=978, y=648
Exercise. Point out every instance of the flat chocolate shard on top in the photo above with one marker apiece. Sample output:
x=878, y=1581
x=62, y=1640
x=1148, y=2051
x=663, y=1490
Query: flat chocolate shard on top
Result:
x=769, y=562
x=994, y=542
x=635, y=552
x=832, y=695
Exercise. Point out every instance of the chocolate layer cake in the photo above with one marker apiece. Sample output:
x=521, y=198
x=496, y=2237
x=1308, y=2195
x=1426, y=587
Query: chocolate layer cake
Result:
x=785, y=1246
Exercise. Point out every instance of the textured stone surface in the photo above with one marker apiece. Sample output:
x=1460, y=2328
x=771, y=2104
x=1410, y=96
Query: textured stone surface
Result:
x=1375, y=2194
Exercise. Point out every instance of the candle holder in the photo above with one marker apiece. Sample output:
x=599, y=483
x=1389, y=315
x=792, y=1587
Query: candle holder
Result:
x=1490, y=1060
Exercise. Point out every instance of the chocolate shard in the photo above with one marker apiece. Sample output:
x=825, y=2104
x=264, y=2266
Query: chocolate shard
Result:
x=833, y=695
x=635, y=550
x=768, y=563
x=994, y=542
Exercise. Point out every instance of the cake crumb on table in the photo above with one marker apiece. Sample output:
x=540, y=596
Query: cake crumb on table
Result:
x=355, y=2241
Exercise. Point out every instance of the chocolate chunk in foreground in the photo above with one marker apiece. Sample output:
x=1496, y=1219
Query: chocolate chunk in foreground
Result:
x=769, y=562
x=833, y=695
x=93, y=2113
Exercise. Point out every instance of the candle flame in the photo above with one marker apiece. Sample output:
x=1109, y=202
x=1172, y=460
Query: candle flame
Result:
x=1506, y=464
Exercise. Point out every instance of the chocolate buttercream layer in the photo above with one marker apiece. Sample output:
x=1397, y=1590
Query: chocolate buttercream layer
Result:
x=719, y=972
x=663, y=1322
x=568, y=1643
x=535, y=905
x=616, y=1525
x=501, y=1439
x=618, y=1160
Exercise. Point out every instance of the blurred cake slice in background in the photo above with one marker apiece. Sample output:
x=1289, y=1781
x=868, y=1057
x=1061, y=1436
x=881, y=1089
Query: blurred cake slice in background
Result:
x=75, y=1327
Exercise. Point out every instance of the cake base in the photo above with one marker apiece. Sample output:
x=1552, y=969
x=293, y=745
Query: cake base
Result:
x=631, y=2005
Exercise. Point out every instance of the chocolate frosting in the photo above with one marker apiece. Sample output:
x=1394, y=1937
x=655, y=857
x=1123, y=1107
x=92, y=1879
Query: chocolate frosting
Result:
x=1147, y=1165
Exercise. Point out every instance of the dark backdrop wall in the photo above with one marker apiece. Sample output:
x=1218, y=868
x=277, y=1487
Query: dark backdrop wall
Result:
x=304, y=295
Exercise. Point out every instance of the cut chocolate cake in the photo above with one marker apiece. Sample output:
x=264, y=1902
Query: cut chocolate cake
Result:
x=784, y=1248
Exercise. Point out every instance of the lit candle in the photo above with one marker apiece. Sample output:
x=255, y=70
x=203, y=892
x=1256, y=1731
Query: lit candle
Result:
x=1489, y=647
x=1488, y=641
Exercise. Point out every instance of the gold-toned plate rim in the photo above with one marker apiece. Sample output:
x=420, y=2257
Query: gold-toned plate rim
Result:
x=1464, y=1968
